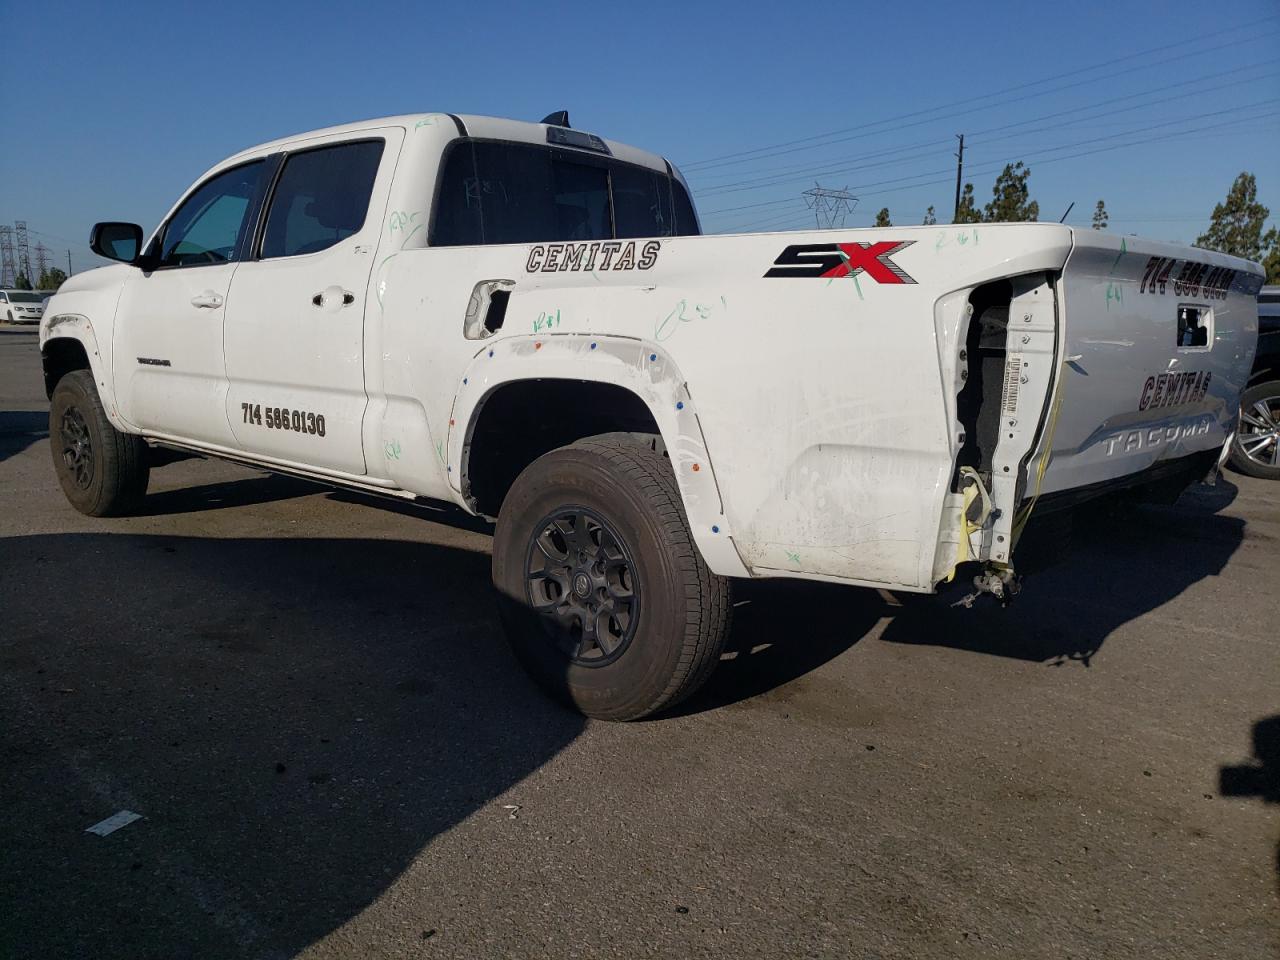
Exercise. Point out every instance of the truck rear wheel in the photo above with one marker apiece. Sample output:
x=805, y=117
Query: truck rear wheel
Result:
x=1256, y=448
x=604, y=597
x=103, y=472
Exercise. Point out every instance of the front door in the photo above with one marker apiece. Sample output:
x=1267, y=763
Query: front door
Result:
x=295, y=325
x=167, y=353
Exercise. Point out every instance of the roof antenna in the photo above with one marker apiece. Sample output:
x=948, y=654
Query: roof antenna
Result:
x=1064, y=216
x=558, y=119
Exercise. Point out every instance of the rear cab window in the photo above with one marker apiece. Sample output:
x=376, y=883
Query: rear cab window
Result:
x=499, y=192
x=320, y=198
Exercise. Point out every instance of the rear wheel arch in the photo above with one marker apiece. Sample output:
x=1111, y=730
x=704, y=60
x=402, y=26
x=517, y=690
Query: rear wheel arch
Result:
x=599, y=385
x=519, y=421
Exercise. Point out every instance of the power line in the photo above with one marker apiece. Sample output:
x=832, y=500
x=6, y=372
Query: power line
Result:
x=1047, y=150
x=999, y=165
x=774, y=149
x=808, y=170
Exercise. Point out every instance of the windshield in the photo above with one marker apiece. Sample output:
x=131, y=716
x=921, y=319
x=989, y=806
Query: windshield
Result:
x=18, y=296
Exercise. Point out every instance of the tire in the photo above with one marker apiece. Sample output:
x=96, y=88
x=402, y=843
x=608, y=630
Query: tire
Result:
x=103, y=472
x=1254, y=449
x=613, y=498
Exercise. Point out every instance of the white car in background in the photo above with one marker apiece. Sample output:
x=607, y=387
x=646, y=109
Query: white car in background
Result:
x=21, y=306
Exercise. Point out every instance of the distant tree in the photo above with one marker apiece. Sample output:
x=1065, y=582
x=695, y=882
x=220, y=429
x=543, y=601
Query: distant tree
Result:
x=929, y=217
x=22, y=283
x=1236, y=225
x=51, y=279
x=1100, y=216
x=882, y=218
x=1271, y=262
x=967, y=211
x=1010, y=197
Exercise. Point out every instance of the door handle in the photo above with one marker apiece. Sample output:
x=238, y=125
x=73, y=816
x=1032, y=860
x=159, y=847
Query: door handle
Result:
x=208, y=299
x=329, y=297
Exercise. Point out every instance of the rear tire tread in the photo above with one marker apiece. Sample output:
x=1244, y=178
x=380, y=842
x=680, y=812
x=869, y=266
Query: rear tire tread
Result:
x=708, y=595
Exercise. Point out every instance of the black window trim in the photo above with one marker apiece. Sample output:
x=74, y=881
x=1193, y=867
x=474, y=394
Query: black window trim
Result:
x=583, y=157
x=258, y=235
x=242, y=243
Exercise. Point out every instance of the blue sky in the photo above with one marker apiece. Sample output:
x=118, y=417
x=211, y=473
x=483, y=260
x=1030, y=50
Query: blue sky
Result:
x=120, y=106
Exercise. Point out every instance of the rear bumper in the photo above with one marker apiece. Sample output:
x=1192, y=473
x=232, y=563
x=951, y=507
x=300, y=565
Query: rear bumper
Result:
x=1162, y=481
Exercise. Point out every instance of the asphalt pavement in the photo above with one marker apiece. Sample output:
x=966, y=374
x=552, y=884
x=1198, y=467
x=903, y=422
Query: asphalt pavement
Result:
x=306, y=697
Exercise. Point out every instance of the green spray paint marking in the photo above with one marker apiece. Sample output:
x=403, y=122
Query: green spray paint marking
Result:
x=546, y=321
x=423, y=123
x=408, y=235
x=793, y=557
x=1123, y=250
x=851, y=274
x=392, y=450
x=440, y=450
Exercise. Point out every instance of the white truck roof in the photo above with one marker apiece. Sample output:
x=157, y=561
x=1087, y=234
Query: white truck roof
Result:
x=492, y=128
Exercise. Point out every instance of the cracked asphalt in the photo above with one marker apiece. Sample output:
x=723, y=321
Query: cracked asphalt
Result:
x=307, y=698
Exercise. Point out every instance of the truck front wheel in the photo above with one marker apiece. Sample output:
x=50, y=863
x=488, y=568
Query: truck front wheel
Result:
x=604, y=597
x=103, y=472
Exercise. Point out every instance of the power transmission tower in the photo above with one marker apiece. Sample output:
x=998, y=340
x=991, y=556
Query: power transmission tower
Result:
x=42, y=262
x=8, y=271
x=24, y=252
x=959, y=174
x=829, y=205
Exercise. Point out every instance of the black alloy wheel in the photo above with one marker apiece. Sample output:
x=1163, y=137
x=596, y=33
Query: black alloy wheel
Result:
x=582, y=579
x=77, y=447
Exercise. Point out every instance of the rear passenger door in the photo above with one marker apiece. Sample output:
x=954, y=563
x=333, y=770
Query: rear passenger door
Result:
x=296, y=313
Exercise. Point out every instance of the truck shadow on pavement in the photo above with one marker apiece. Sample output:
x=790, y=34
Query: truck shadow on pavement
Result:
x=227, y=493
x=1127, y=562
x=20, y=429
x=1259, y=777
x=295, y=719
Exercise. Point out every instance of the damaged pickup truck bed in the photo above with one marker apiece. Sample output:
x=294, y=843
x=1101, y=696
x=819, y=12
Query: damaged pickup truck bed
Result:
x=522, y=319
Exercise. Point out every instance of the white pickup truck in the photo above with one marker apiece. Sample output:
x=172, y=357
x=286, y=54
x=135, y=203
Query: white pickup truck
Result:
x=522, y=319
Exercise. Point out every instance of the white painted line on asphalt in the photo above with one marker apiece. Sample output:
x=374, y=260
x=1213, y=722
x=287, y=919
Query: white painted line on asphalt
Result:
x=114, y=823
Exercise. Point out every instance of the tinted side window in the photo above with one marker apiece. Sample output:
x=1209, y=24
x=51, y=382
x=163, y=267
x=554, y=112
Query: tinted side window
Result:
x=321, y=198
x=518, y=193
x=686, y=221
x=493, y=192
x=511, y=188
x=581, y=201
x=209, y=225
x=641, y=202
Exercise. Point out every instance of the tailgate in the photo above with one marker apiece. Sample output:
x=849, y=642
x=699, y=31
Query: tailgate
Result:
x=1157, y=344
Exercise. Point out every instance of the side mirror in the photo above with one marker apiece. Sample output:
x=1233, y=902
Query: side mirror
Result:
x=116, y=241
